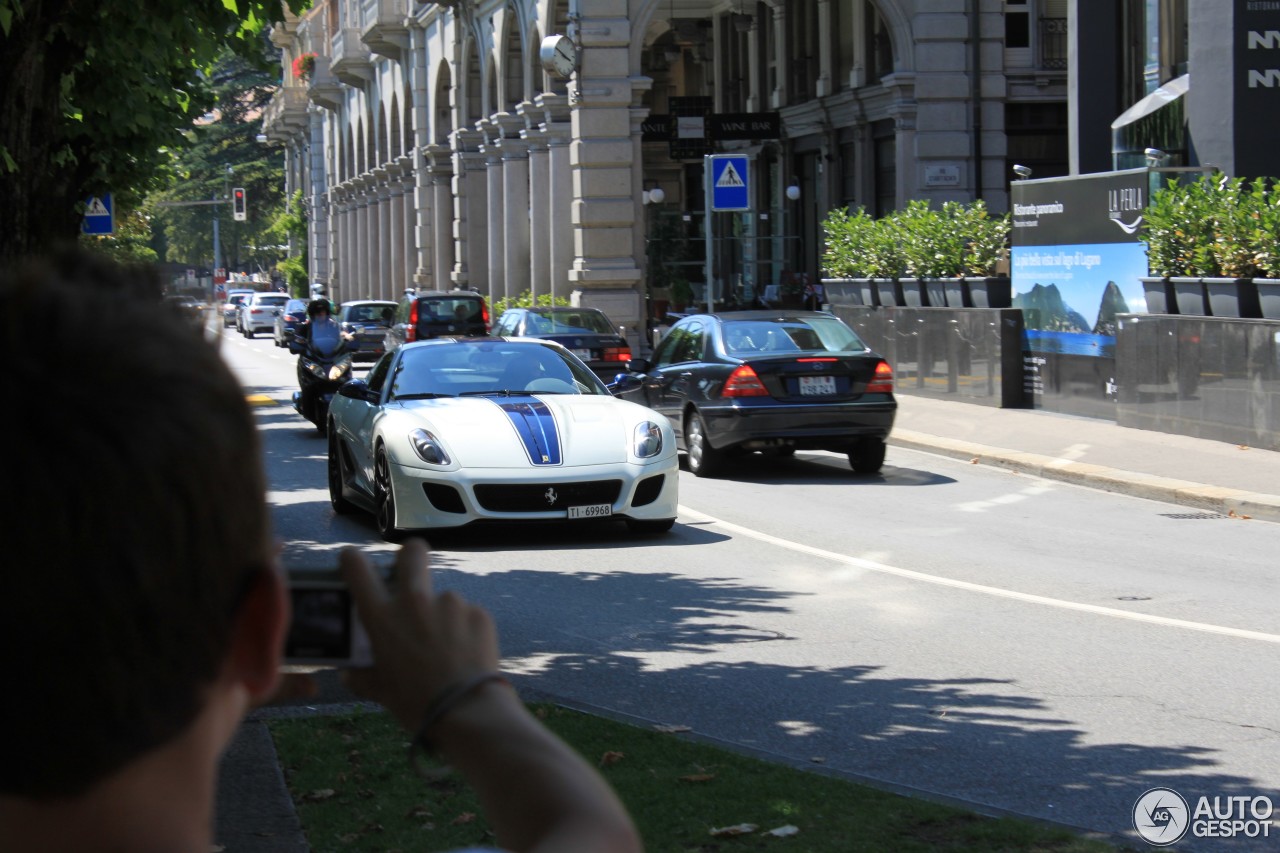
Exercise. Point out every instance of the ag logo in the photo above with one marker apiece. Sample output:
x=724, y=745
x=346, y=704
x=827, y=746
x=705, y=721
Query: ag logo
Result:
x=1161, y=816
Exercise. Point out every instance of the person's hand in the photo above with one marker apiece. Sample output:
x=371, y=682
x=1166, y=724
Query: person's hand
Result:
x=422, y=642
x=348, y=336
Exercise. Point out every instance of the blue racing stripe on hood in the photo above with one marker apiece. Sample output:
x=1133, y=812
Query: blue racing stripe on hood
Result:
x=536, y=427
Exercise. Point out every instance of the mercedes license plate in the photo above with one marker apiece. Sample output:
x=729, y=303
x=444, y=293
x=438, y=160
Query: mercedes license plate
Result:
x=591, y=511
x=585, y=355
x=817, y=385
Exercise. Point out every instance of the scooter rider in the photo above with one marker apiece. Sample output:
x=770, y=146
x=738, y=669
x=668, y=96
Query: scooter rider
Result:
x=322, y=334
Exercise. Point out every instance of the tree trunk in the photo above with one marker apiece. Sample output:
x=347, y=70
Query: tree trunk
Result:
x=35, y=217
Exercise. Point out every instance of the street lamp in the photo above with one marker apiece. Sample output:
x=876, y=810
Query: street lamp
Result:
x=656, y=195
x=793, y=192
x=1023, y=172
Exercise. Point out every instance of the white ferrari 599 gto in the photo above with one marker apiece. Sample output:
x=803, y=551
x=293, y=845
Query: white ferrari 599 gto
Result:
x=452, y=431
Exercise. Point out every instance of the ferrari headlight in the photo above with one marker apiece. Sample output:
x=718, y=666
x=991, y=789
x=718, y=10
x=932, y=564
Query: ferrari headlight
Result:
x=647, y=440
x=428, y=447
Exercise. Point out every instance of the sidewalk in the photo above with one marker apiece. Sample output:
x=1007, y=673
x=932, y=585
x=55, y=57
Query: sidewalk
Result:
x=1208, y=475
x=255, y=813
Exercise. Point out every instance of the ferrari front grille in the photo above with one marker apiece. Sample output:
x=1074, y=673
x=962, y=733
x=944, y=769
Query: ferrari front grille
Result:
x=541, y=497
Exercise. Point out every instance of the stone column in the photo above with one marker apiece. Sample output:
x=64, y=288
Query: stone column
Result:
x=358, y=287
x=515, y=207
x=495, y=285
x=315, y=198
x=539, y=201
x=408, y=226
x=381, y=282
x=604, y=272
x=395, y=277
x=778, y=98
x=470, y=211
x=560, y=208
x=439, y=205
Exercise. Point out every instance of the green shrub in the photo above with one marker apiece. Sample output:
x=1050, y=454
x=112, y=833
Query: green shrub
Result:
x=527, y=300
x=957, y=240
x=1214, y=226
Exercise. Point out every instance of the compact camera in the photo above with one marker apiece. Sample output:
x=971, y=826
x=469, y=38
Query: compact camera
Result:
x=325, y=630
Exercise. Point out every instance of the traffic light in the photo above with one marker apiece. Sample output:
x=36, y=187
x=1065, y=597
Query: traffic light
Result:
x=238, y=202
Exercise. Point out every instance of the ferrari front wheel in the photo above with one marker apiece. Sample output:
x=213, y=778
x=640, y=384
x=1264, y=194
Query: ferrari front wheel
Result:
x=384, y=499
x=340, y=505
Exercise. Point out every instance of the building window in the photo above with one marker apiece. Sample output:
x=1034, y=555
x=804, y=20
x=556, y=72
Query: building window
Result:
x=1017, y=24
x=885, y=139
x=879, y=47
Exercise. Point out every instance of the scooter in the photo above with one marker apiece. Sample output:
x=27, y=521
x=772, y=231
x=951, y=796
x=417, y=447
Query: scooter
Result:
x=319, y=378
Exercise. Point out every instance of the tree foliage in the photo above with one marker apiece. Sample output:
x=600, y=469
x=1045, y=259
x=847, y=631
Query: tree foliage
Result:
x=96, y=94
x=221, y=153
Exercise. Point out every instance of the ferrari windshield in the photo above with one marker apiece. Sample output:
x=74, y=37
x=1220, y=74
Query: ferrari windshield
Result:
x=455, y=368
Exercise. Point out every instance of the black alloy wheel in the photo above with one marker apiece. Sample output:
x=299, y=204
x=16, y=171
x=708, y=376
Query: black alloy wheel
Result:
x=867, y=457
x=337, y=475
x=384, y=499
x=704, y=460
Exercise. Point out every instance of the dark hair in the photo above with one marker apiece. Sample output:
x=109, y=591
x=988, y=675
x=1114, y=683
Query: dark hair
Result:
x=315, y=306
x=142, y=522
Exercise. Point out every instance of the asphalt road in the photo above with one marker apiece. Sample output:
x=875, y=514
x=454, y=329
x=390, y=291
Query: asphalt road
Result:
x=1018, y=644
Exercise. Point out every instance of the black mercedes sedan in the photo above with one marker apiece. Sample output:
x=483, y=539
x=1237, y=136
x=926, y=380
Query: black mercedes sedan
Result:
x=773, y=381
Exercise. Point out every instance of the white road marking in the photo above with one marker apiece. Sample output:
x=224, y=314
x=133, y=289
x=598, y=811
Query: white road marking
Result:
x=982, y=589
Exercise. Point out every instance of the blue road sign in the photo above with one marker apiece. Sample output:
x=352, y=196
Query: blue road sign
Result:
x=730, y=182
x=98, y=216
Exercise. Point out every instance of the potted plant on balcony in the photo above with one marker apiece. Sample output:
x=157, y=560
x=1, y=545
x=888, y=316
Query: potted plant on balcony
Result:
x=304, y=65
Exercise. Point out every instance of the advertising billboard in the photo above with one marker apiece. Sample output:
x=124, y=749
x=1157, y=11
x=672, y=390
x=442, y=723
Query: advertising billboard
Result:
x=1077, y=260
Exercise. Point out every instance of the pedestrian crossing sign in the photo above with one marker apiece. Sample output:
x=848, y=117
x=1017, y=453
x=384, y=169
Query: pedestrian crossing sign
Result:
x=98, y=217
x=730, y=182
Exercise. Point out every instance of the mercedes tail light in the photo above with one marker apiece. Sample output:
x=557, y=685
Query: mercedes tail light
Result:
x=484, y=314
x=882, y=382
x=744, y=382
x=411, y=333
x=617, y=353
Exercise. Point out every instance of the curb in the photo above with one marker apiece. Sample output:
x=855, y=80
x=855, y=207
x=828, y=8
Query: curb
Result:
x=1225, y=501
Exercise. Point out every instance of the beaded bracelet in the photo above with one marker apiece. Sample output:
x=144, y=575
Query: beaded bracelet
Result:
x=444, y=702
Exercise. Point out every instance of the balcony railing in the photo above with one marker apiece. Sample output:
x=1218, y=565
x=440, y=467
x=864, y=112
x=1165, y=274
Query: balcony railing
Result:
x=286, y=113
x=349, y=60
x=384, y=28
x=1053, y=43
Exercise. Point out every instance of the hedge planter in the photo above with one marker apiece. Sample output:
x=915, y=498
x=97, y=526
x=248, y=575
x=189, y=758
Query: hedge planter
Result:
x=991, y=292
x=1232, y=297
x=842, y=291
x=869, y=292
x=936, y=290
x=1268, y=297
x=888, y=291
x=913, y=293
x=957, y=291
x=1159, y=295
x=1190, y=295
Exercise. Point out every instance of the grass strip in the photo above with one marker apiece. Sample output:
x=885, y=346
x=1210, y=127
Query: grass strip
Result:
x=354, y=790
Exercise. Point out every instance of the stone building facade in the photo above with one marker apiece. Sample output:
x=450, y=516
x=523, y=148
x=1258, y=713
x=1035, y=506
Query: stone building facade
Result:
x=434, y=149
